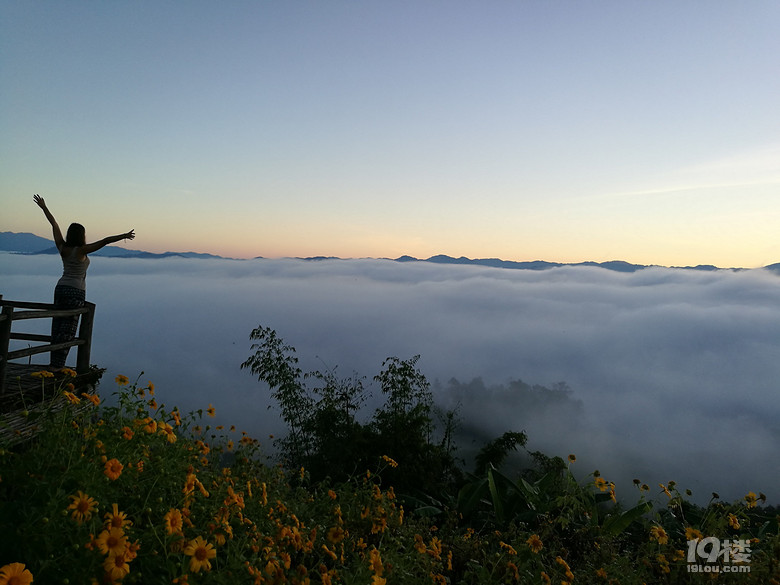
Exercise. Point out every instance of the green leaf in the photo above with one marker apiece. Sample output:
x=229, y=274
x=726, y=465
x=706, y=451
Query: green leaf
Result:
x=428, y=511
x=470, y=496
x=617, y=523
x=498, y=505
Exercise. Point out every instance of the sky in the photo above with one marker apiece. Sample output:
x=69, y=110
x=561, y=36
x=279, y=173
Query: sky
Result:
x=563, y=131
x=673, y=373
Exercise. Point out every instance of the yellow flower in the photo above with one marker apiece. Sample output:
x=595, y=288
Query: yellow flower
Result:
x=82, y=506
x=116, y=567
x=42, y=374
x=601, y=573
x=389, y=461
x=15, y=574
x=733, y=522
x=572, y=458
x=165, y=429
x=601, y=483
x=508, y=547
x=121, y=380
x=132, y=551
x=210, y=411
x=534, y=543
x=376, y=562
x=93, y=398
x=69, y=372
x=113, y=469
x=692, y=534
x=127, y=433
x=336, y=534
x=149, y=425
x=659, y=534
x=379, y=524
x=419, y=544
x=201, y=553
x=112, y=542
x=665, y=489
x=71, y=397
x=751, y=499
x=116, y=519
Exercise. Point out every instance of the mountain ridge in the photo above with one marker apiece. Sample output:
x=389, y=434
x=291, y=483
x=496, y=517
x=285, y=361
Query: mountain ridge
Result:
x=27, y=243
x=30, y=244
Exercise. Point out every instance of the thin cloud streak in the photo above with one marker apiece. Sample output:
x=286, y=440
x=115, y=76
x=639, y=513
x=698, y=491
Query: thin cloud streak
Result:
x=688, y=188
x=675, y=370
x=755, y=168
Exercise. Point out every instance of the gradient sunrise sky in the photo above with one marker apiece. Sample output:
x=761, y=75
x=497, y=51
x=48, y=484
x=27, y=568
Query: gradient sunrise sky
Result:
x=555, y=130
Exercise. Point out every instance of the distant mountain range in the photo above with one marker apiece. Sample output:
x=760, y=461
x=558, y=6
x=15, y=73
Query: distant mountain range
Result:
x=26, y=243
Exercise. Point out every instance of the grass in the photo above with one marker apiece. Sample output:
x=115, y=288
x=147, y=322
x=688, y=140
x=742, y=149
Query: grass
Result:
x=142, y=493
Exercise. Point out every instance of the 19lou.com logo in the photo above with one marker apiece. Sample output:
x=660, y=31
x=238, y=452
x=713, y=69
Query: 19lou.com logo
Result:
x=704, y=555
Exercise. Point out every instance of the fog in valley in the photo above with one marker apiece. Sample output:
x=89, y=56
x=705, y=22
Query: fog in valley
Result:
x=661, y=374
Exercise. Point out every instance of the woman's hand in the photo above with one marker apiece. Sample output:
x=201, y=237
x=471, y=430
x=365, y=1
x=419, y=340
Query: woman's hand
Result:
x=130, y=235
x=59, y=241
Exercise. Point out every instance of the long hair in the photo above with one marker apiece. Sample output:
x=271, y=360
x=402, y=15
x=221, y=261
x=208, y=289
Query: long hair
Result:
x=76, y=236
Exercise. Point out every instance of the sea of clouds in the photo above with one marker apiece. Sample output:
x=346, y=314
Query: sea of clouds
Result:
x=674, y=373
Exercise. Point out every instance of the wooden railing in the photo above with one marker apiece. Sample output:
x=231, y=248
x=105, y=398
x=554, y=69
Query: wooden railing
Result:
x=42, y=311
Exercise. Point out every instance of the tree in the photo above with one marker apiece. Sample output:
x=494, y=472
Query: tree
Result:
x=275, y=364
x=325, y=435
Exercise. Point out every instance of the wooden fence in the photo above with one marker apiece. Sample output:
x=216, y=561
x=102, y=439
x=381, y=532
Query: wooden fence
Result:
x=11, y=313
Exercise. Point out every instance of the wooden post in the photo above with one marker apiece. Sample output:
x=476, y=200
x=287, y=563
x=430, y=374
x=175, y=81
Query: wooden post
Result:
x=85, y=334
x=5, y=338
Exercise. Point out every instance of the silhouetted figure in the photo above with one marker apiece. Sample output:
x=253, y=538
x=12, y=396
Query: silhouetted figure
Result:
x=70, y=292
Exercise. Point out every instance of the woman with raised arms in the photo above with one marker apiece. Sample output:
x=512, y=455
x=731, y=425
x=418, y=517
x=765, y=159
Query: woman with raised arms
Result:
x=70, y=292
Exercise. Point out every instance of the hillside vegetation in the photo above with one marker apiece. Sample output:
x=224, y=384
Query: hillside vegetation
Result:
x=140, y=492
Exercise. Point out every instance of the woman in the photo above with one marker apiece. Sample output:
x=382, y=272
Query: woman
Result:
x=71, y=289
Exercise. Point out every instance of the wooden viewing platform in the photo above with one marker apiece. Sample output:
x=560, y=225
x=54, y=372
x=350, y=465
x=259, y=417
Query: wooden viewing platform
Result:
x=22, y=388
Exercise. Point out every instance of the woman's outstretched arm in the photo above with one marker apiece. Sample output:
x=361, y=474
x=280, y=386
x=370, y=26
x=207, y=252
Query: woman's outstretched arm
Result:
x=89, y=248
x=59, y=241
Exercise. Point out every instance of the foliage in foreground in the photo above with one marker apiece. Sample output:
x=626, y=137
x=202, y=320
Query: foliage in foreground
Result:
x=139, y=493
x=325, y=434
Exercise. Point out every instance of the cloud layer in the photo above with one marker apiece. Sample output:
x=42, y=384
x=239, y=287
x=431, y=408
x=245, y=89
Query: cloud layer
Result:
x=676, y=371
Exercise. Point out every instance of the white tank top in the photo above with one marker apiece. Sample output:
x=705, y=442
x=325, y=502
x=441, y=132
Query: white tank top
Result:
x=74, y=271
